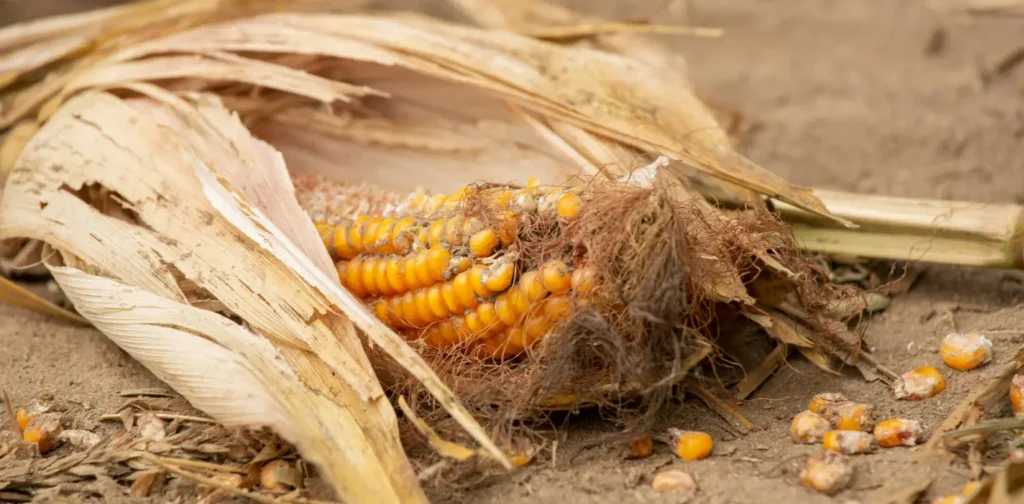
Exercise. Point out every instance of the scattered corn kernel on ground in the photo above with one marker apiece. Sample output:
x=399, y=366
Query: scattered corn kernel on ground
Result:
x=881, y=97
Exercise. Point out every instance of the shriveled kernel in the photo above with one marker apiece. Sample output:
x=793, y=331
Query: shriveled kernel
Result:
x=822, y=401
x=919, y=383
x=965, y=352
x=828, y=474
x=498, y=276
x=453, y=230
x=691, y=445
x=280, y=476
x=641, y=446
x=1017, y=395
x=675, y=481
x=848, y=415
x=897, y=432
x=848, y=442
x=808, y=427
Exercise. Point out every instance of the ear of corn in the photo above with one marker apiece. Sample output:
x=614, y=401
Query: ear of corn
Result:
x=445, y=277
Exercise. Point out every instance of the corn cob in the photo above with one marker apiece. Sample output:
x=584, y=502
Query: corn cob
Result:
x=436, y=274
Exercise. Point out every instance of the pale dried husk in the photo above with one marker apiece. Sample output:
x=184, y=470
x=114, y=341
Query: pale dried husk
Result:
x=204, y=215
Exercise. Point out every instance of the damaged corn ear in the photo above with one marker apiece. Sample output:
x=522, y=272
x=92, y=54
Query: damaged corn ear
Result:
x=919, y=383
x=442, y=276
x=808, y=427
x=965, y=352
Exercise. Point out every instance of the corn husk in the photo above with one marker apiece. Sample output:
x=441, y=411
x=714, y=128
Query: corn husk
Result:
x=159, y=199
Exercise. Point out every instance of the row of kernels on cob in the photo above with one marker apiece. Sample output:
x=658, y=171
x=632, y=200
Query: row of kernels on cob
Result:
x=452, y=280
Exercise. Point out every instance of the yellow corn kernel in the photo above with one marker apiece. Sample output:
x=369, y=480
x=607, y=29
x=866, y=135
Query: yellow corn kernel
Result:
x=532, y=286
x=556, y=277
x=583, y=281
x=965, y=352
x=808, y=427
x=828, y=474
x=558, y=308
x=380, y=276
x=508, y=227
x=507, y=312
x=422, y=303
x=431, y=336
x=897, y=432
x=536, y=325
x=438, y=262
x=498, y=276
x=449, y=335
x=483, y=242
x=436, y=301
x=395, y=278
x=366, y=275
x=398, y=318
x=370, y=235
x=355, y=234
x=691, y=445
x=403, y=234
x=409, y=310
x=476, y=280
x=919, y=383
x=848, y=442
x=43, y=430
x=822, y=401
x=382, y=310
x=353, y=272
x=676, y=481
x=463, y=285
x=435, y=233
x=568, y=206
x=848, y=415
x=279, y=476
x=453, y=230
x=421, y=267
x=1017, y=395
x=411, y=278
x=23, y=418
x=451, y=301
x=517, y=338
x=641, y=446
x=488, y=316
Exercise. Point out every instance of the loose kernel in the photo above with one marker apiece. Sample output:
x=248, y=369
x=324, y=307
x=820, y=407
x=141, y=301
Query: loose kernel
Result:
x=641, y=446
x=822, y=401
x=23, y=418
x=897, y=432
x=848, y=415
x=919, y=383
x=848, y=442
x=1017, y=395
x=808, y=427
x=675, y=481
x=691, y=445
x=965, y=352
x=828, y=475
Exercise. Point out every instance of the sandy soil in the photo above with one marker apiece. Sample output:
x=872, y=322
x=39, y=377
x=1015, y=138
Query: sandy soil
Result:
x=845, y=95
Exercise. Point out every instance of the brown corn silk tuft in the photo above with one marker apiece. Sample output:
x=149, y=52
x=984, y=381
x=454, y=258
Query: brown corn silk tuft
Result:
x=670, y=277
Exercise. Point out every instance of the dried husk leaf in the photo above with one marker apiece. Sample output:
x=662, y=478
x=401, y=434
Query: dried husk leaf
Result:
x=166, y=180
x=602, y=93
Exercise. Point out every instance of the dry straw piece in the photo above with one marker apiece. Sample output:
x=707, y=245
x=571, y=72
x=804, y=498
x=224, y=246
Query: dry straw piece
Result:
x=151, y=161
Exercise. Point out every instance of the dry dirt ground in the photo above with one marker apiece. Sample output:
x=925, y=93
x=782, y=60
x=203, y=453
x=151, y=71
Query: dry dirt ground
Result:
x=874, y=96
